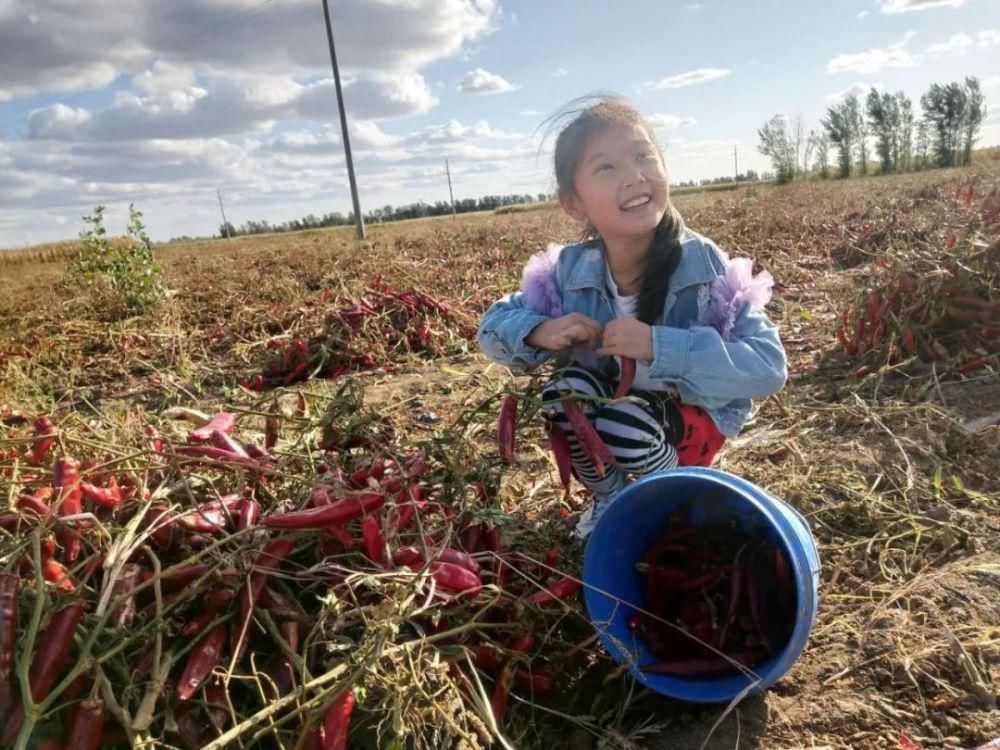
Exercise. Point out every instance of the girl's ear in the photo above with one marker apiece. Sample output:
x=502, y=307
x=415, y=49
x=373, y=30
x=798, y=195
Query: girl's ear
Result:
x=573, y=206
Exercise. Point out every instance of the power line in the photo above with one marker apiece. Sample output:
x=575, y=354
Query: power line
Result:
x=184, y=47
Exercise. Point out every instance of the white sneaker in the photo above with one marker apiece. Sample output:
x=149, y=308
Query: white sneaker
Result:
x=591, y=515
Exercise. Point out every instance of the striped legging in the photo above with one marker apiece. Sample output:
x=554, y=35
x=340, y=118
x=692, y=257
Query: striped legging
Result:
x=643, y=437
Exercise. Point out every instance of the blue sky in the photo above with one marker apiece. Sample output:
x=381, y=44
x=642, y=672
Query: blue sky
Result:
x=163, y=103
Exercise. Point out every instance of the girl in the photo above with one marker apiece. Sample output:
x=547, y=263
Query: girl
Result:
x=640, y=286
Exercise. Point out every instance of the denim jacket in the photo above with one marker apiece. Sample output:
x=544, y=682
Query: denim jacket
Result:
x=690, y=357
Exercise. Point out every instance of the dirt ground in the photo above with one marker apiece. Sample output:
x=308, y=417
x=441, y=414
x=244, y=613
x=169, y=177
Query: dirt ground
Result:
x=896, y=470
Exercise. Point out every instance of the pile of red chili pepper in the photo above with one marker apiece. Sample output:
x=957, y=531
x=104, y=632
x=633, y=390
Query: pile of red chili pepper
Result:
x=363, y=334
x=716, y=598
x=939, y=311
x=190, y=594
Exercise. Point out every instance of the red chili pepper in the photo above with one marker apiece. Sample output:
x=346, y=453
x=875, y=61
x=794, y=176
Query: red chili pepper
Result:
x=109, y=497
x=221, y=440
x=591, y=443
x=505, y=428
x=735, y=594
x=500, y=692
x=319, y=497
x=408, y=507
x=537, y=681
x=470, y=537
x=9, y=586
x=559, y=444
x=44, y=438
x=758, y=610
x=248, y=515
x=201, y=661
x=214, y=454
x=552, y=556
x=564, y=588
x=179, y=578
x=221, y=422
x=373, y=540
x=265, y=563
x=55, y=572
x=413, y=555
x=709, y=666
x=88, y=724
x=492, y=541
x=327, y=515
x=216, y=703
x=342, y=535
x=627, y=377
x=337, y=721
x=522, y=643
x=486, y=657
x=407, y=556
x=66, y=479
x=203, y=520
x=453, y=577
x=36, y=501
x=216, y=600
x=51, y=654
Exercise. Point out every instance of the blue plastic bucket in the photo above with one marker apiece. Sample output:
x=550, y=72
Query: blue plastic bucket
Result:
x=633, y=522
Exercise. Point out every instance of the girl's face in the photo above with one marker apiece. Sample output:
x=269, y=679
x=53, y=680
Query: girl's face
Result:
x=621, y=184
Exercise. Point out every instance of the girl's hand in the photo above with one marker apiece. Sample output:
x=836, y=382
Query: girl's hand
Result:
x=628, y=337
x=563, y=332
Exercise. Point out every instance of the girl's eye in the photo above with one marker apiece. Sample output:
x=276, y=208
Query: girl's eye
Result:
x=646, y=156
x=605, y=167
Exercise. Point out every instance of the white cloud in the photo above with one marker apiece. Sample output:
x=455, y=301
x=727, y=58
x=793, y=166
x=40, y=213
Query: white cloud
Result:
x=690, y=78
x=858, y=89
x=875, y=59
x=862, y=14
x=905, y=6
x=992, y=81
x=43, y=51
x=226, y=105
x=670, y=121
x=481, y=81
x=957, y=43
x=530, y=112
x=988, y=37
x=370, y=97
x=560, y=73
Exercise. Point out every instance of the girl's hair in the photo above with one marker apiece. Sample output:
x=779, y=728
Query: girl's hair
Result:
x=584, y=118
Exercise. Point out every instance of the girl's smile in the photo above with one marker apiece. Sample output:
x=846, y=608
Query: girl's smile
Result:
x=620, y=184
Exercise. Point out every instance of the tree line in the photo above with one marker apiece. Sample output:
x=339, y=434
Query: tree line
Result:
x=951, y=118
x=417, y=210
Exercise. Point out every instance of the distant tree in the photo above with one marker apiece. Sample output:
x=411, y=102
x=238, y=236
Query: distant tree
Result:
x=884, y=119
x=905, y=160
x=840, y=131
x=945, y=109
x=820, y=146
x=923, y=144
x=777, y=144
x=227, y=230
x=859, y=128
x=975, y=114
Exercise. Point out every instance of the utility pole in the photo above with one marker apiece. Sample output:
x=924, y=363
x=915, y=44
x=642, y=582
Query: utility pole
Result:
x=225, y=224
x=736, y=166
x=359, y=221
x=447, y=169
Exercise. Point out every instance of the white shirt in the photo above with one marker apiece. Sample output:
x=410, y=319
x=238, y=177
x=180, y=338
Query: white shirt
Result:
x=625, y=307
